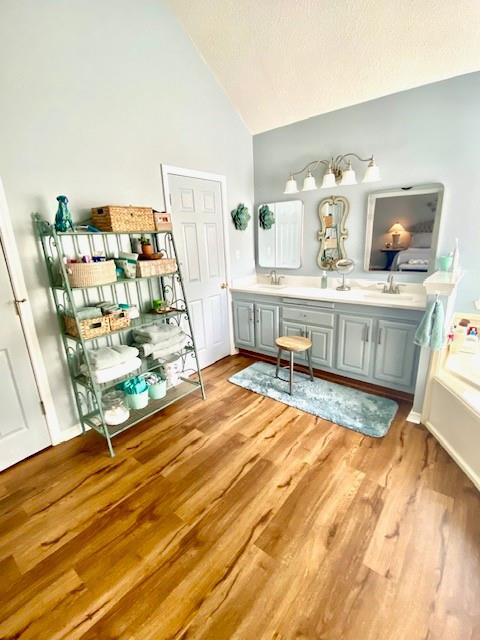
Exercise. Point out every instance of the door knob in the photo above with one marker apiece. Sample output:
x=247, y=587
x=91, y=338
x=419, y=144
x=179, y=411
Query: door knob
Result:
x=224, y=285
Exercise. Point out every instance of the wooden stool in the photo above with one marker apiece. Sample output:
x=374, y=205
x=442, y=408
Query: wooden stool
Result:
x=293, y=344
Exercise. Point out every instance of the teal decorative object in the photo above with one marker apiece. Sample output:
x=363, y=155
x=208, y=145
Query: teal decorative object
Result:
x=63, y=217
x=364, y=412
x=240, y=217
x=430, y=332
x=266, y=217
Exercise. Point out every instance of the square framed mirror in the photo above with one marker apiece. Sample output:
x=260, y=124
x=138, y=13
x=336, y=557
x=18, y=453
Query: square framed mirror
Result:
x=402, y=229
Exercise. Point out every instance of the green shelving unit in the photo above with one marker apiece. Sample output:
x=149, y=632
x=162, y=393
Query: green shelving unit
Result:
x=57, y=247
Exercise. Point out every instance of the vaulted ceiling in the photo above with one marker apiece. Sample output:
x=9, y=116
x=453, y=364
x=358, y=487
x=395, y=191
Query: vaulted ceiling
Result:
x=281, y=61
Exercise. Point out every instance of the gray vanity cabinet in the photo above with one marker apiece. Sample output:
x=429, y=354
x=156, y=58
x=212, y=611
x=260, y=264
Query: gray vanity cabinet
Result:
x=372, y=344
x=314, y=323
x=266, y=326
x=354, y=344
x=243, y=323
x=294, y=329
x=395, y=352
x=322, y=346
x=256, y=325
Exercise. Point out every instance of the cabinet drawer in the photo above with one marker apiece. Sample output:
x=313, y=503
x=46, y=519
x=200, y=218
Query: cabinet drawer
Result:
x=307, y=316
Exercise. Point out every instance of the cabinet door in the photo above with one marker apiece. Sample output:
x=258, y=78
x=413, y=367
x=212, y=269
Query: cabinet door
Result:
x=322, y=345
x=353, y=344
x=395, y=352
x=243, y=323
x=266, y=326
x=294, y=329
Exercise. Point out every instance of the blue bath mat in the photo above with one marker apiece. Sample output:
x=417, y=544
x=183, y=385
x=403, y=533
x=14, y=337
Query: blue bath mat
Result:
x=369, y=414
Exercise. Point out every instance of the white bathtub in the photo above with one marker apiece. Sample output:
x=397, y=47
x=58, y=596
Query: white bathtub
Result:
x=465, y=367
x=453, y=411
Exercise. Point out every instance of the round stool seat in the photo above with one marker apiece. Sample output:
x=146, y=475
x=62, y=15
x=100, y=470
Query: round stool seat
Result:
x=293, y=343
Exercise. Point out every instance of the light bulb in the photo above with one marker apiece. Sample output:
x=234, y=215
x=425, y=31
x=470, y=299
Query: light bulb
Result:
x=372, y=174
x=309, y=183
x=291, y=186
x=348, y=176
x=329, y=180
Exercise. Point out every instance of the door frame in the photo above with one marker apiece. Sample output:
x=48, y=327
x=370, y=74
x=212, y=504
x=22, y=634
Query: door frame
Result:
x=14, y=268
x=166, y=171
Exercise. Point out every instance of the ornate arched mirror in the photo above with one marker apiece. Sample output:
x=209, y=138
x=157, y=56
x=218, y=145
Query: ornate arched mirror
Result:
x=333, y=212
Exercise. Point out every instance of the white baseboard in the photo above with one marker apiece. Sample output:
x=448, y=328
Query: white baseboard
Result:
x=67, y=434
x=466, y=468
x=415, y=417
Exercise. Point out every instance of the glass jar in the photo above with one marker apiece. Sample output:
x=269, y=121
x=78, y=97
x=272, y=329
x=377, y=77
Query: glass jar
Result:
x=115, y=408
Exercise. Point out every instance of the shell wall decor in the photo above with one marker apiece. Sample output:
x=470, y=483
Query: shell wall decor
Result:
x=240, y=217
x=266, y=217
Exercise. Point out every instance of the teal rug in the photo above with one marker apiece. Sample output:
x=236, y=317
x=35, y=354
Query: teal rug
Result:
x=364, y=412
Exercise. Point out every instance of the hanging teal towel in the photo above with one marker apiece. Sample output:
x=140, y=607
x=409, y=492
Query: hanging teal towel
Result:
x=430, y=332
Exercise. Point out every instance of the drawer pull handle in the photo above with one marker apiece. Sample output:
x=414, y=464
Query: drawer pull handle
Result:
x=379, y=337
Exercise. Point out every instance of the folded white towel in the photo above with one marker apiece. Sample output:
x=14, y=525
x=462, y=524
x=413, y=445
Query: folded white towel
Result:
x=156, y=333
x=167, y=350
x=111, y=373
x=111, y=356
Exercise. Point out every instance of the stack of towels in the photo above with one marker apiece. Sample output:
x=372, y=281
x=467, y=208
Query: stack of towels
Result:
x=159, y=340
x=109, y=363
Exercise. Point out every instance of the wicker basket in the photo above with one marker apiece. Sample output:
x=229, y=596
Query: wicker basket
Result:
x=89, y=328
x=162, y=267
x=118, y=320
x=163, y=221
x=118, y=219
x=91, y=274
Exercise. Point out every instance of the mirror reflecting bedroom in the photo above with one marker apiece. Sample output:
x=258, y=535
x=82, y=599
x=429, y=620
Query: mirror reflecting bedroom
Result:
x=402, y=229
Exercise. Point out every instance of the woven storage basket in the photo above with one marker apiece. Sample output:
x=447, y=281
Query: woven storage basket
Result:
x=89, y=328
x=147, y=268
x=118, y=219
x=91, y=274
x=118, y=320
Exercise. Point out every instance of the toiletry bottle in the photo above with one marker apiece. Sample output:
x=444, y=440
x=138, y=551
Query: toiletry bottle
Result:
x=324, y=281
x=456, y=259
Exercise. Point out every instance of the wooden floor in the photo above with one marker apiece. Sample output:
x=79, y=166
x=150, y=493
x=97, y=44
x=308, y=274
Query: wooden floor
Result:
x=240, y=517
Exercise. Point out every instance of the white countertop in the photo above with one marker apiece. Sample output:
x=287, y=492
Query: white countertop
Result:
x=364, y=292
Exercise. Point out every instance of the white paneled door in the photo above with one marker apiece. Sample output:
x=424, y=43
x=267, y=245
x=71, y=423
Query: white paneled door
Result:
x=197, y=216
x=23, y=429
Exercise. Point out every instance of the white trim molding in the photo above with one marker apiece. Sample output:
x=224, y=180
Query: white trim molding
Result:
x=26, y=318
x=167, y=170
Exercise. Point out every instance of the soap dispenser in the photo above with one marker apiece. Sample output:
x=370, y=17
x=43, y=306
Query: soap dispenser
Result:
x=324, y=281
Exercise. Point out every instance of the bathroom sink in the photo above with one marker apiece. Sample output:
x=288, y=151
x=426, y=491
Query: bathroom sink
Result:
x=380, y=295
x=269, y=286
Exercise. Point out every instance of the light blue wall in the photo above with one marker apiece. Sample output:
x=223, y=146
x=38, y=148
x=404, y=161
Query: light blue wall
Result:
x=429, y=134
x=95, y=95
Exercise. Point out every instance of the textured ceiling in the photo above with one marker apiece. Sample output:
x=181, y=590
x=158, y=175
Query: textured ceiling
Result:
x=281, y=61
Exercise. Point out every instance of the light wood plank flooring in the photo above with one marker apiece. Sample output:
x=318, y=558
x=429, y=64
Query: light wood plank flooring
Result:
x=241, y=518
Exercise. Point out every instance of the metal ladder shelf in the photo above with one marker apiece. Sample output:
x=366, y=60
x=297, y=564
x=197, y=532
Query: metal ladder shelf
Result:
x=56, y=248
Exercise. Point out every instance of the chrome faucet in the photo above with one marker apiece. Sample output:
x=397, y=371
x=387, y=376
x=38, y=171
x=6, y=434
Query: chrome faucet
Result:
x=390, y=286
x=273, y=277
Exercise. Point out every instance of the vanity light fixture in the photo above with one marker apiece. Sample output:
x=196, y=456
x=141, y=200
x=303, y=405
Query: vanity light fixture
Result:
x=339, y=173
